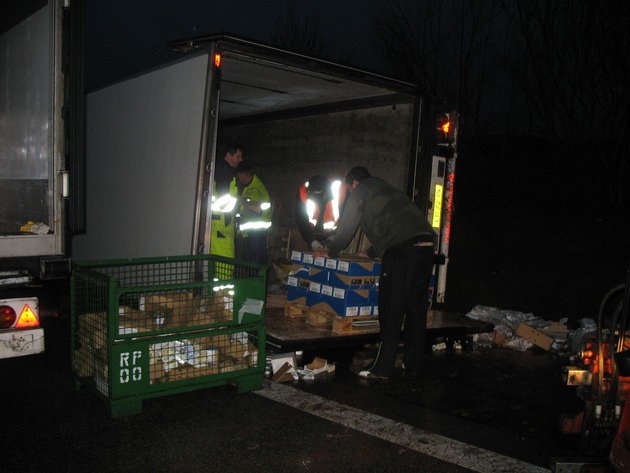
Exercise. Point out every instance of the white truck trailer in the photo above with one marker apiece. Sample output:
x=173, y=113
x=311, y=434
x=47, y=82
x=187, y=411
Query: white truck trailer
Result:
x=152, y=142
x=41, y=134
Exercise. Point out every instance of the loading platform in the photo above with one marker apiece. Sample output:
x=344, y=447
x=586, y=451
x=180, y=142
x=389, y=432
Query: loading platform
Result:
x=286, y=333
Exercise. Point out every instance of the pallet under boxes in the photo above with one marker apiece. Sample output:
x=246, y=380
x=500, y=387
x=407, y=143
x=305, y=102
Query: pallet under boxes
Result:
x=288, y=330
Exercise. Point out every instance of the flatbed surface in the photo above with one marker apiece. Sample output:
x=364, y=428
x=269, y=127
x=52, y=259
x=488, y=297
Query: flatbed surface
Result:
x=294, y=333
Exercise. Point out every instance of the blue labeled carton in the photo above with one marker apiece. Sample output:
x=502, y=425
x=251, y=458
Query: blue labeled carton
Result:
x=297, y=289
x=297, y=256
x=343, y=280
x=320, y=275
x=343, y=302
x=357, y=266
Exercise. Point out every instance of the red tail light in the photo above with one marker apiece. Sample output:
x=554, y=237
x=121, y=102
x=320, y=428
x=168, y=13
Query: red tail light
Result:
x=7, y=316
x=19, y=313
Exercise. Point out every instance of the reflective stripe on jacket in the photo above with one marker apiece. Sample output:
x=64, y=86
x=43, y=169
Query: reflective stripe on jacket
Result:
x=331, y=211
x=222, y=237
x=255, y=206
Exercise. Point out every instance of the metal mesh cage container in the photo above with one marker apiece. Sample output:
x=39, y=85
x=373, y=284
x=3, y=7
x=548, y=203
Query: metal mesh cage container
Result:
x=155, y=326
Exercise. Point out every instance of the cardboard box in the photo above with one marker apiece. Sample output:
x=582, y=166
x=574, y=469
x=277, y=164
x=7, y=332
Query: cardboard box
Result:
x=331, y=264
x=252, y=355
x=297, y=289
x=501, y=335
x=320, y=275
x=230, y=365
x=293, y=281
x=219, y=307
x=188, y=372
x=307, y=259
x=176, y=302
x=319, y=262
x=314, y=293
x=296, y=256
x=314, y=288
x=358, y=266
x=363, y=296
x=534, y=336
x=340, y=307
x=176, y=321
x=318, y=365
x=92, y=330
x=344, y=302
x=283, y=367
x=83, y=362
x=280, y=359
x=285, y=373
x=133, y=320
x=343, y=280
x=318, y=368
x=299, y=271
x=233, y=349
x=209, y=318
x=296, y=307
x=157, y=374
x=327, y=290
x=175, y=310
x=556, y=330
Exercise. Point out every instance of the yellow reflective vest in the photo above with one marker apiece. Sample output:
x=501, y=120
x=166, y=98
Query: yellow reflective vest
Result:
x=255, y=206
x=223, y=228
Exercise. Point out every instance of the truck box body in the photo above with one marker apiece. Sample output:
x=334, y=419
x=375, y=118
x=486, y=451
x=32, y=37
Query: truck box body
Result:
x=38, y=137
x=152, y=140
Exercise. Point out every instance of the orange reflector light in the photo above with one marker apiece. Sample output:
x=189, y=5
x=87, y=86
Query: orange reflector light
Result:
x=437, y=206
x=27, y=318
x=217, y=60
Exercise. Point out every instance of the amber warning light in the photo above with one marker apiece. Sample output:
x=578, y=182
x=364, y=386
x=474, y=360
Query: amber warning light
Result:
x=9, y=318
x=445, y=127
x=217, y=60
x=27, y=318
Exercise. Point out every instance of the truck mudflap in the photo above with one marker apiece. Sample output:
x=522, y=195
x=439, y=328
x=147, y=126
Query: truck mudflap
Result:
x=21, y=343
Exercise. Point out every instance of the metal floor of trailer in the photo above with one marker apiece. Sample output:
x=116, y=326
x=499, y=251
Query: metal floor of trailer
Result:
x=484, y=409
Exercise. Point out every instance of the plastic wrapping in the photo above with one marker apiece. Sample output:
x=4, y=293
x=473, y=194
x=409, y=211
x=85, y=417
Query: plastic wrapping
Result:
x=506, y=323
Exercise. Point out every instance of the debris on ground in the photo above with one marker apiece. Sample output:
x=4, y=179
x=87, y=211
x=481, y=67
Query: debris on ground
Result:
x=283, y=367
x=522, y=331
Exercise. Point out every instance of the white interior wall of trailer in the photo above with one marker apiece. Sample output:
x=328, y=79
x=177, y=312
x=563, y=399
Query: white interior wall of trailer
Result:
x=26, y=99
x=287, y=152
x=142, y=161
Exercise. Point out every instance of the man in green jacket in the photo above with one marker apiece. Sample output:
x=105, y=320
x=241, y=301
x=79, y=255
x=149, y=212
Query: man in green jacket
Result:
x=401, y=235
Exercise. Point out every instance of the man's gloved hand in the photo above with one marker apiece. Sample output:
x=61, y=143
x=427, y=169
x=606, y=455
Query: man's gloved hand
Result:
x=316, y=246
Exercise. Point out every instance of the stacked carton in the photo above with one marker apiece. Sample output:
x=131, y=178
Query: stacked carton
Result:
x=203, y=354
x=346, y=286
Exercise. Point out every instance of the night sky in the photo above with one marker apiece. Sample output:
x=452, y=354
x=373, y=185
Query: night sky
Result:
x=123, y=38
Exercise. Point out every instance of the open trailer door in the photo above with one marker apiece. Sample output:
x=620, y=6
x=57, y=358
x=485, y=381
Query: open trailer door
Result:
x=441, y=189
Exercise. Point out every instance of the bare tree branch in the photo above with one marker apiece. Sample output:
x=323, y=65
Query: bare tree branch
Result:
x=298, y=34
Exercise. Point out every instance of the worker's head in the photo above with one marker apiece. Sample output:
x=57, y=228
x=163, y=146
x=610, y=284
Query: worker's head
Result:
x=358, y=174
x=318, y=187
x=244, y=173
x=233, y=154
